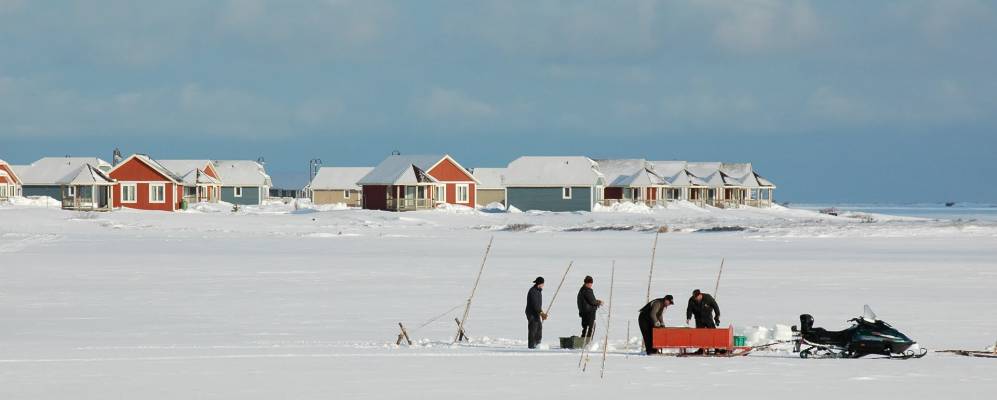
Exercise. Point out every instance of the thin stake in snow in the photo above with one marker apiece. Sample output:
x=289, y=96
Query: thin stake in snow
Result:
x=402, y=335
x=609, y=319
x=650, y=273
x=467, y=309
x=558, y=288
x=717, y=287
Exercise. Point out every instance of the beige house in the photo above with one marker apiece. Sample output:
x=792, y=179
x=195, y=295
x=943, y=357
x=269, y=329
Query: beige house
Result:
x=338, y=185
x=490, y=189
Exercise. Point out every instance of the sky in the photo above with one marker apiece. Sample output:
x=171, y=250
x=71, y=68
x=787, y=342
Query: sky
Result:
x=834, y=101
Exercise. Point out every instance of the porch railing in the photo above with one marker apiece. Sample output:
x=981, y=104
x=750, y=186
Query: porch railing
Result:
x=410, y=204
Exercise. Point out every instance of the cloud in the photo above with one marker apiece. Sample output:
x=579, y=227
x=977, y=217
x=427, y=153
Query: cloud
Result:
x=757, y=26
x=30, y=108
x=336, y=28
x=447, y=104
x=575, y=30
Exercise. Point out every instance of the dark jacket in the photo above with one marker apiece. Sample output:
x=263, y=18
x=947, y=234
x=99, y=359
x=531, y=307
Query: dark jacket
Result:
x=654, y=311
x=586, y=301
x=702, y=310
x=534, y=301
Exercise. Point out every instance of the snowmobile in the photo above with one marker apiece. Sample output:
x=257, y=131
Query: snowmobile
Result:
x=867, y=336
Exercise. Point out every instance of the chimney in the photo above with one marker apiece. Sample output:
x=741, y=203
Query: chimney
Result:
x=116, y=157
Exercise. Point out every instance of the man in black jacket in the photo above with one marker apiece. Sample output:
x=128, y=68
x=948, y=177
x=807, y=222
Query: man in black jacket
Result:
x=587, y=305
x=704, y=308
x=651, y=317
x=534, y=313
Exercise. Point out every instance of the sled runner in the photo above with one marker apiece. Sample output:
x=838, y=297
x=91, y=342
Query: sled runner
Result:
x=971, y=353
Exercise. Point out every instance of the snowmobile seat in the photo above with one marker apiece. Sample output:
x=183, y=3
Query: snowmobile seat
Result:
x=823, y=336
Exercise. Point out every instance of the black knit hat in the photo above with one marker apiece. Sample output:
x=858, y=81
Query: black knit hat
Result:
x=669, y=299
x=539, y=280
x=588, y=279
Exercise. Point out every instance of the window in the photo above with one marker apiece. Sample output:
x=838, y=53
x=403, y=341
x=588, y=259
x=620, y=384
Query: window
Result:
x=463, y=193
x=566, y=193
x=71, y=191
x=238, y=191
x=128, y=193
x=346, y=194
x=157, y=193
x=441, y=193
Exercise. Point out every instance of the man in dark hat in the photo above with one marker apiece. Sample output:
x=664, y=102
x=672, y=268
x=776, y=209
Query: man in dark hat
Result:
x=704, y=308
x=534, y=313
x=587, y=306
x=651, y=317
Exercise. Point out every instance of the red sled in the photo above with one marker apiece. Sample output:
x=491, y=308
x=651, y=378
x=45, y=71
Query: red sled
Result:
x=717, y=342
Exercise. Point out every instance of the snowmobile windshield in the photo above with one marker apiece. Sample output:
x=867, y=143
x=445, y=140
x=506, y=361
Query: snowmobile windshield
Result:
x=868, y=315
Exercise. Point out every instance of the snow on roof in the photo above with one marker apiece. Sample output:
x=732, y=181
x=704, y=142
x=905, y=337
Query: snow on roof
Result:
x=54, y=170
x=490, y=178
x=764, y=182
x=242, y=173
x=160, y=168
x=708, y=173
x=738, y=174
x=183, y=167
x=402, y=170
x=338, y=178
x=553, y=171
x=199, y=177
x=633, y=172
x=88, y=175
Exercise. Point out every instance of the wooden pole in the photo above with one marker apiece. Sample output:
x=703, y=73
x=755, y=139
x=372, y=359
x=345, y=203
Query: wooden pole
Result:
x=558, y=288
x=467, y=309
x=404, y=335
x=717, y=287
x=626, y=345
x=609, y=320
x=650, y=273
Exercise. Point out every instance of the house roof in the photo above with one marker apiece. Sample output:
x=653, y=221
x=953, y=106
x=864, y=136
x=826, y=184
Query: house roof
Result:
x=199, y=177
x=338, y=178
x=88, y=175
x=402, y=170
x=54, y=170
x=184, y=167
x=739, y=174
x=242, y=173
x=12, y=175
x=489, y=178
x=553, y=171
x=708, y=173
x=635, y=172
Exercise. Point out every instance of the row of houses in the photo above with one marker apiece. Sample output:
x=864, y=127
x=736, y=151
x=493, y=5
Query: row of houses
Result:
x=139, y=182
x=413, y=182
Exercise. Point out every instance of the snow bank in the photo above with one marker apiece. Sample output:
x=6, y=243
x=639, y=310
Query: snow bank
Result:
x=34, y=201
x=624, y=207
x=493, y=207
x=455, y=209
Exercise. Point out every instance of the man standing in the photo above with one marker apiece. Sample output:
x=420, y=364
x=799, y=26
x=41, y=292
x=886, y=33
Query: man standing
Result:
x=587, y=305
x=651, y=317
x=534, y=313
x=704, y=308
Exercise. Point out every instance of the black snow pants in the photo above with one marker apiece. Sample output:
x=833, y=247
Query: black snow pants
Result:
x=588, y=325
x=646, y=324
x=535, y=330
x=705, y=323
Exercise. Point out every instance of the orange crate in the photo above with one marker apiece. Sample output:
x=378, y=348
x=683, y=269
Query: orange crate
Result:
x=693, y=338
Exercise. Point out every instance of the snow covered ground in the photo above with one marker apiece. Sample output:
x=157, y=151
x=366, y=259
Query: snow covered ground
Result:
x=286, y=301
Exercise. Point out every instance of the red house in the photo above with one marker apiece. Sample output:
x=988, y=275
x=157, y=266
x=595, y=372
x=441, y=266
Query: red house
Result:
x=10, y=184
x=144, y=184
x=415, y=182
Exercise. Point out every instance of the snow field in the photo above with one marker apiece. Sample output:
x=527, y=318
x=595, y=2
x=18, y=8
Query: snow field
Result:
x=285, y=303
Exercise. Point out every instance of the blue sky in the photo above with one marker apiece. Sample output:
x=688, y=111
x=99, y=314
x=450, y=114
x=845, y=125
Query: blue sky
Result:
x=835, y=101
